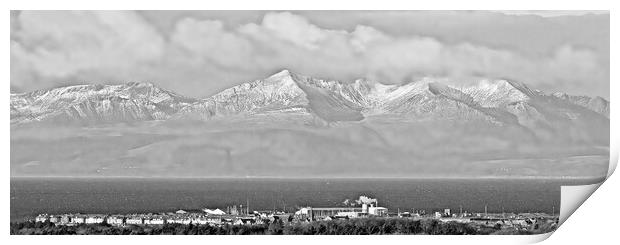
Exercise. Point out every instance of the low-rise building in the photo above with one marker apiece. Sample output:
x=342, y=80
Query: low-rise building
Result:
x=134, y=221
x=66, y=219
x=179, y=220
x=78, y=220
x=312, y=213
x=154, y=221
x=41, y=218
x=350, y=214
x=377, y=211
x=244, y=221
x=200, y=220
x=94, y=220
x=55, y=219
x=116, y=220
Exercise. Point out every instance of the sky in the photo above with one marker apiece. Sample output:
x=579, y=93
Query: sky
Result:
x=199, y=53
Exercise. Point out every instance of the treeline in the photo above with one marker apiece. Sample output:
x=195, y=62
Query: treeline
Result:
x=370, y=226
x=47, y=228
x=379, y=226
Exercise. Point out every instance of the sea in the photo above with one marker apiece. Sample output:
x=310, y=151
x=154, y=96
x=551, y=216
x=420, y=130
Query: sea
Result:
x=32, y=196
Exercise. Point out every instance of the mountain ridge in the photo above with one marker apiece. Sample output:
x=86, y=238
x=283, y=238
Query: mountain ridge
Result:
x=294, y=125
x=285, y=91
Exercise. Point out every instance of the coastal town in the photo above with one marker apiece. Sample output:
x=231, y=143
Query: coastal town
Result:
x=242, y=215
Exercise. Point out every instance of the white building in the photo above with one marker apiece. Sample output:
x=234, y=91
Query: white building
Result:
x=41, y=218
x=377, y=211
x=185, y=221
x=78, y=220
x=134, y=221
x=200, y=220
x=55, y=219
x=238, y=222
x=173, y=221
x=115, y=220
x=214, y=220
x=66, y=219
x=351, y=214
x=94, y=220
x=303, y=211
x=154, y=221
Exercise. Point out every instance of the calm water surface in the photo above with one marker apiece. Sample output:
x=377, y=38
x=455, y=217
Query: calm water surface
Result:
x=31, y=196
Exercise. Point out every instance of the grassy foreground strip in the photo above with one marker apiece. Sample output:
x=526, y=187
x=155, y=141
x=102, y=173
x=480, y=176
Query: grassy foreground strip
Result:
x=365, y=226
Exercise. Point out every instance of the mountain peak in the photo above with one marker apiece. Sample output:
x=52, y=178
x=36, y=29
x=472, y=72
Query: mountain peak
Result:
x=283, y=91
x=281, y=74
x=98, y=103
x=523, y=88
x=140, y=84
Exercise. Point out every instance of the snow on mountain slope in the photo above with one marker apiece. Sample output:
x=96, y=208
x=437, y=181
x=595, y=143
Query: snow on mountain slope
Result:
x=558, y=109
x=451, y=93
x=497, y=93
x=268, y=127
x=97, y=103
x=326, y=104
x=596, y=104
x=277, y=93
x=285, y=92
x=330, y=100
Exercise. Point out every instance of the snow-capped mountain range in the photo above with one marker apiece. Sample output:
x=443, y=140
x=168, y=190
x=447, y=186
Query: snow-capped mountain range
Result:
x=285, y=92
x=294, y=125
x=97, y=103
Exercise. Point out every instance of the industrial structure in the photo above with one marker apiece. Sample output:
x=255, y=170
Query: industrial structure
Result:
x=326, y=213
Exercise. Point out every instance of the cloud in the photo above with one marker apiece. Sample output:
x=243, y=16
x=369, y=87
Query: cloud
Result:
x=293, y=28
x=208, y=39
x=553, y=13
x=199, y=57
x=58, y=44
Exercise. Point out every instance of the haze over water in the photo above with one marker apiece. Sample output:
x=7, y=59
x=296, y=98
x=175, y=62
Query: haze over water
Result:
x=31, y=196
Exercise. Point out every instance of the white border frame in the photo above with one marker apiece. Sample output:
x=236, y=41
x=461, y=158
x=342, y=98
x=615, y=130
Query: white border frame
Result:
x=590, y=223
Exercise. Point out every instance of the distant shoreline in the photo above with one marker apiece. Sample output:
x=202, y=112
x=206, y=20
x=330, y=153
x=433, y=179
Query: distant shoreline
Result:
x=584, y=178
x=35, y=195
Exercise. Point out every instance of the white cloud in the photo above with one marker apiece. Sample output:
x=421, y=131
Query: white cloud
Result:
x=293, y=28
x=208, y=39
x=363, y=36
x=57, y=44
x=60, y=43
x=201, y=56
x=553, y=13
